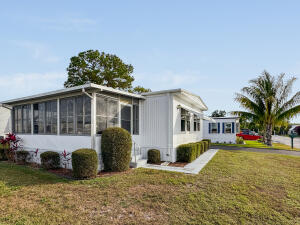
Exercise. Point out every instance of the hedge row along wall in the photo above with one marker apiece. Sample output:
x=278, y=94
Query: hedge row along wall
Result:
x=189, y=152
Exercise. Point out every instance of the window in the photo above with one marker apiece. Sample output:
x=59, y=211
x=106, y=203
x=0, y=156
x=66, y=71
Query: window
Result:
x=185, y=120
x=22, y=119
x=45, y=117
x=107, y=113
x=75, y=115
x=228, y=128
x=214, y=128
x=135, y=109
x=196, y=123
x=126, y=117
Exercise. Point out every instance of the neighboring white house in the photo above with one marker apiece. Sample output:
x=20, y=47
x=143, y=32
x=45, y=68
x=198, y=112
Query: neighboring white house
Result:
x=74, y=118
x=223, y=130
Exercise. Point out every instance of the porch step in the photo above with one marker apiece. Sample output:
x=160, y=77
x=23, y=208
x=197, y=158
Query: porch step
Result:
x=138, y=163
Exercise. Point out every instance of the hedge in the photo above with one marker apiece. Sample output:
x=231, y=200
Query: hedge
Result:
x=116, y=146
x=50, y=160
x=84, y=163
x=187, y=152
x=22, y=156
x=209, y=142
x=154, y=156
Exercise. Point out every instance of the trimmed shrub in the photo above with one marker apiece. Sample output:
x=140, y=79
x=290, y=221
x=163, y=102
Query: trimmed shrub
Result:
x=205, y=145
x=116, y=146
x=50, y=160
x=209, y=142
x=186, y=152
x=199, y=147
x=22, y=156
x=154, y=156
x=84, y=163
x=239, y=140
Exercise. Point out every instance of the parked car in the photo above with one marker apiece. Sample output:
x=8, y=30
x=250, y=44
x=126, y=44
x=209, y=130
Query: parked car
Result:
x=248, y=135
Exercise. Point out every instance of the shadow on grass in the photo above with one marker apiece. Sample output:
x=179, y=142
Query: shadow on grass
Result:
x=20, y=176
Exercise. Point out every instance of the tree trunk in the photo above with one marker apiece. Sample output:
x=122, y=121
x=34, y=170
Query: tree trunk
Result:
x=269, y=134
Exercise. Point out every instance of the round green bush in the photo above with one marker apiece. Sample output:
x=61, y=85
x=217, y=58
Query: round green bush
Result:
x=50, y=160
x=84, y=163
x=22, y=156
x=154, y=156
x=116, y=146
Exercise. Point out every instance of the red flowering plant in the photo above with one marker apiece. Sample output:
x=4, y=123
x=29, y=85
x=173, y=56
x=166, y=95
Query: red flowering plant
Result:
x=66, y=158
x=14, y=143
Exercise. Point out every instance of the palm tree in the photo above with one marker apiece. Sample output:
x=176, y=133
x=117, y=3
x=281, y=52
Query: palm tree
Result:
x=266, y=102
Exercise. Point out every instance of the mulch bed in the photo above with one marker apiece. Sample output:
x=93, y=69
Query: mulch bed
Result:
x=178, y=164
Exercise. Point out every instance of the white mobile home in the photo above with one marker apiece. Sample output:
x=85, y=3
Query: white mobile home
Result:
x=222, y=130
x=74, y=118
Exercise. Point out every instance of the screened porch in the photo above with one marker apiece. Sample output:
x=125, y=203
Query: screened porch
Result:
x=82, y=114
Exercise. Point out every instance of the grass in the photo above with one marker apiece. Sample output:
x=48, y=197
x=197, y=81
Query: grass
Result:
x=234, y=188
x=256, y=144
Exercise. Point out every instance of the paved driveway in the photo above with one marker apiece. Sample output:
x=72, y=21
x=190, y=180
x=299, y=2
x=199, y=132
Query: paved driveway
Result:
x=261, y=150
x=286, y=140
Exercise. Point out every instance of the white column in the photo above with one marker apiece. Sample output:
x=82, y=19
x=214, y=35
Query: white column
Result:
x=93, y=121
x=58, y=117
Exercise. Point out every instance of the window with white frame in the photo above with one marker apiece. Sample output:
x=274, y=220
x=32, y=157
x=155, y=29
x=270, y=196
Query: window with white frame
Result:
x=196, y=123
x=213, y=128
x=107, y=113
x=22, y=119
x=228, y=128
x=185, y=120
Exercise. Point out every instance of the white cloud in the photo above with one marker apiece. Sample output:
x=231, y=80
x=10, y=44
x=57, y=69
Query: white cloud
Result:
x=25, y=84
x=38, y=51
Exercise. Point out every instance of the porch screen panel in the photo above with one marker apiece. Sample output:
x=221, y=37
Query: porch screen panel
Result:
x=67, y=115
x=107, y=113
x=26, y=119
x=51, y=117
x=22, y=119
x=83, y=115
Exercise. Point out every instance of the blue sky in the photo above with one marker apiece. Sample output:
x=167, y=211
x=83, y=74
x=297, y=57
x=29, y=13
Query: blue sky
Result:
x=211, y=48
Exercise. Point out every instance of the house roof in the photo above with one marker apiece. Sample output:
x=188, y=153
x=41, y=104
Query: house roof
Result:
x=192, y=97
x=89, y=86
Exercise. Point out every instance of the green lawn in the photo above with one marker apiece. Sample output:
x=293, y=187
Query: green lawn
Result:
x=234, y=188
x=256, y=144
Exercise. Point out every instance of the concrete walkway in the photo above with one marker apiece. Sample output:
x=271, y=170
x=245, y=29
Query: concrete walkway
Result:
x=192, y=168
x=261, y=150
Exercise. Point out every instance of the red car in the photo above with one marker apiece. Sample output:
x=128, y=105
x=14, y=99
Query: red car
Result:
x=248, y=136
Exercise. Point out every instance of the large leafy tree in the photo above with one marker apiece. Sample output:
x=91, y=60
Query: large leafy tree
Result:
x=266, y=102
x=99, y=68
x=218, y=113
